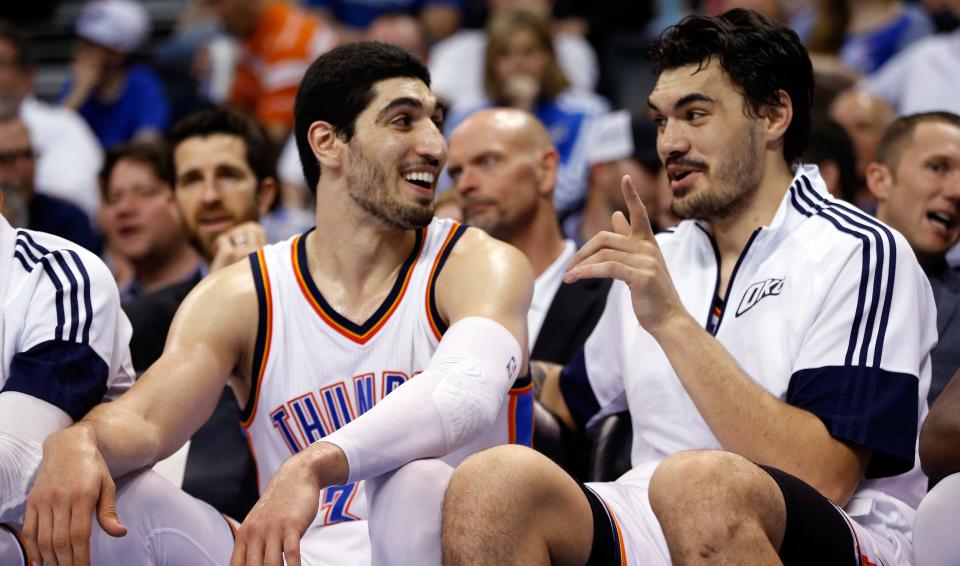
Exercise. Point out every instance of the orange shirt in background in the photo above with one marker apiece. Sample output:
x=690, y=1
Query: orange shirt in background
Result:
x=274, y=59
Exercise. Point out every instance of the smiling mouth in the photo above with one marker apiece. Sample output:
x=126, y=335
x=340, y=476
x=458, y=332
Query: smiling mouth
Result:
x=942, y=219
x=422, y=179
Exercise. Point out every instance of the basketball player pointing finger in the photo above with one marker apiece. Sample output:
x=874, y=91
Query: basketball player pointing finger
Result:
x=315, y=332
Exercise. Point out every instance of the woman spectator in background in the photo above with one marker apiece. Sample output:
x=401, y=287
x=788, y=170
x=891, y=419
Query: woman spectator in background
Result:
x=521, y=71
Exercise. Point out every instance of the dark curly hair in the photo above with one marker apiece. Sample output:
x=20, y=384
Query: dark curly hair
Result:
x=760, y=56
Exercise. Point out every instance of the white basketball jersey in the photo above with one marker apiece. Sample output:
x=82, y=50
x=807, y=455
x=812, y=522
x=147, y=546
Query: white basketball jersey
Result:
x=314, y=370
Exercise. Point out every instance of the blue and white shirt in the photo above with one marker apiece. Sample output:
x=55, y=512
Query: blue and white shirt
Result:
x=65, y=337
x=826, y=308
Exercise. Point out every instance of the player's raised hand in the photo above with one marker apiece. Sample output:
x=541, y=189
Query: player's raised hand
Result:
x=273, y=528
x=236, y=244
x=631, y=254
x=72, y=482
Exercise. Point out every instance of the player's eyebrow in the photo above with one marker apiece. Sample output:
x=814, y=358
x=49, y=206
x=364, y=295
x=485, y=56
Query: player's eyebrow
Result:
x=684, y=100
x=403, y=101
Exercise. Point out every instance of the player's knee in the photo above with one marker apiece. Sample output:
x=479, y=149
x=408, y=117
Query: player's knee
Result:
x=493, y=471
x=689, y=479
x=486, y=482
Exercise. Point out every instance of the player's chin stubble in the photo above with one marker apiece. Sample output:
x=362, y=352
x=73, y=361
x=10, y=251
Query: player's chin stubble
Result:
x=369, y=186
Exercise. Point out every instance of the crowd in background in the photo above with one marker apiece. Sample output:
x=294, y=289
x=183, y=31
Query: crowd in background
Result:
x=92, y=162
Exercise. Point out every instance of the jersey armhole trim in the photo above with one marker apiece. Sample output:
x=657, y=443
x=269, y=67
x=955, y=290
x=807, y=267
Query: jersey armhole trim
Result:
x=437, y=324
x=261, y=347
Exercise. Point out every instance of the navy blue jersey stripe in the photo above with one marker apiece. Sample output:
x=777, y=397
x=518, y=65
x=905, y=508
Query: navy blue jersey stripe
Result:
x=23, y=261
x=87, y=300
x=795, y=203
x=872, y=313
x=432, y=284
x=260, y=343
x=25, y=247
x=52, y=274
x=885, y=263
x=74, y=296
x=891, y=277
x=864, y=275
x=33, y=243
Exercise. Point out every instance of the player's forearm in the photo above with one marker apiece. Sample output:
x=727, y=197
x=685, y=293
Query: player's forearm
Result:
x=123, y=437
x=749, y=421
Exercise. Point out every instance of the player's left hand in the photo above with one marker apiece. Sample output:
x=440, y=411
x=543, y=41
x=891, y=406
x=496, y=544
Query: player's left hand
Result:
x=274, y=527
x=631, y=254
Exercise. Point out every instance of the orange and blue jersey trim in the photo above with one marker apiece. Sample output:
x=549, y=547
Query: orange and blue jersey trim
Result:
x=359, y=333
x=520, y=413
x=261, y=348
x=16, y=535
x=437, y=324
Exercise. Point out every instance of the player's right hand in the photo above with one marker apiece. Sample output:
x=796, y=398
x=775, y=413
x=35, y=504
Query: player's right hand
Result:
x=73, y=480
x=236, y=244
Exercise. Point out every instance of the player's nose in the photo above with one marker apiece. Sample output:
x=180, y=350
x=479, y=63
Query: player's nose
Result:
x=672, y=139
x=431, y=145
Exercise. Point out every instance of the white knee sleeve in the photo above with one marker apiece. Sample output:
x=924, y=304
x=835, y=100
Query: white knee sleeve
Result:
x=456, y=397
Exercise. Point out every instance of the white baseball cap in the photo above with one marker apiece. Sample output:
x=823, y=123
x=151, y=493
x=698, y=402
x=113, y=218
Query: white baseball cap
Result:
x=121, y=25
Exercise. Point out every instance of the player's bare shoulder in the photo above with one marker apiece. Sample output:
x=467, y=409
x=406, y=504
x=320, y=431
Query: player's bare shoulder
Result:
x=222, y=311
x=484, y=270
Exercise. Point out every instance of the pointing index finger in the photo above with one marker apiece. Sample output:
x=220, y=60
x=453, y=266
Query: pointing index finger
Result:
x=639, y=220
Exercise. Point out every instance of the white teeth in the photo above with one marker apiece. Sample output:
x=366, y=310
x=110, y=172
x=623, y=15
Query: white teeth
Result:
x=422, y=176
x=941, y=218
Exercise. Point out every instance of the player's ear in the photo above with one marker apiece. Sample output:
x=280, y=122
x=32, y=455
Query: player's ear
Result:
x=547, y=169
x=879, y=180
x=777, y=118
x=325, y=144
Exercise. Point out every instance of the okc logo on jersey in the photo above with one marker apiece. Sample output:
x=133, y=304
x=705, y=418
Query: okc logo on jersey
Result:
x=758, y=291
x=303, y=420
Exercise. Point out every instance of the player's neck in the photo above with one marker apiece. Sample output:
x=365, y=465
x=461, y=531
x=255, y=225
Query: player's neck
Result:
x=539, y=239
x=352, y=255
x=734, y=231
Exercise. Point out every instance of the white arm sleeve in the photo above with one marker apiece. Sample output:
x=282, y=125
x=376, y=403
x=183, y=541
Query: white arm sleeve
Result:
x=456, y=398
x=25, y=422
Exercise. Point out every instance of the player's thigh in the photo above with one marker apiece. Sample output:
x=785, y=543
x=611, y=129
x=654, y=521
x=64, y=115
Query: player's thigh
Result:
x=339, y=544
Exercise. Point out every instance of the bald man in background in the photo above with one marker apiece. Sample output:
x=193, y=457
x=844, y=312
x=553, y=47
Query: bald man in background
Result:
x=504, y=166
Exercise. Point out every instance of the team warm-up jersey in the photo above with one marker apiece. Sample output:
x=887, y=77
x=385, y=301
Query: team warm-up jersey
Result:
x=315, y=371
x=826, y=308
x=65, y=339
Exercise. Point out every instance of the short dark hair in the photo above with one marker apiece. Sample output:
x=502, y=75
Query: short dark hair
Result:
x=23, y=52
x=153, y=154
x=338, y=86
x=760, y=56
x=899, y=133
x=261, y=154
x=830, y=142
